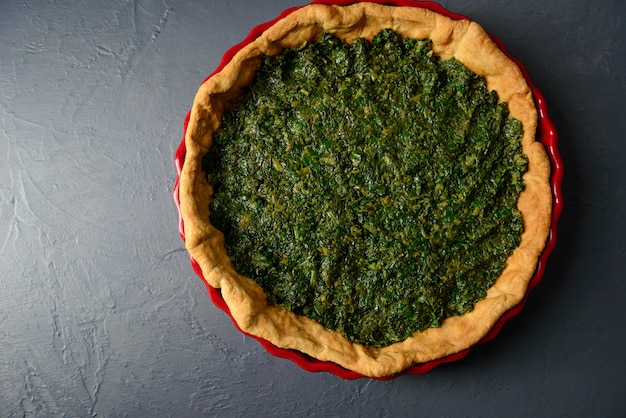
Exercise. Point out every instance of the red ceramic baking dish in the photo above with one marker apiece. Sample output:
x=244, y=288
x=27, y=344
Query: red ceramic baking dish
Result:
x=546, y=134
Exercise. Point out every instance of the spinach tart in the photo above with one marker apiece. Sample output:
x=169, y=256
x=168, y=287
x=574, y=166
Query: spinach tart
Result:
x=363, y=185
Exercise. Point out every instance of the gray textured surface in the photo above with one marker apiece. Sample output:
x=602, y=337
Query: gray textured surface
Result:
x=100, y=312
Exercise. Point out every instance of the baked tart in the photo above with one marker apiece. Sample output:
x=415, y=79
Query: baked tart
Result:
x=362, y=183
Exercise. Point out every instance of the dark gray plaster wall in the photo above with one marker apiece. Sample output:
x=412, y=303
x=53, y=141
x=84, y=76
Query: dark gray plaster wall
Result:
x=100, y=312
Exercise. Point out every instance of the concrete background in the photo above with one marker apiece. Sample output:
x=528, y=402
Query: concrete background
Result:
x=100, y=311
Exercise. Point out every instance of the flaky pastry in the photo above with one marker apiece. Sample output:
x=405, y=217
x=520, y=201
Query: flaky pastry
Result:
x=462, y=39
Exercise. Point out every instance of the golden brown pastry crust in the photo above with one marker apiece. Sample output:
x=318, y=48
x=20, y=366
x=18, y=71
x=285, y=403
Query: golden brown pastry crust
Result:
x=246, y=300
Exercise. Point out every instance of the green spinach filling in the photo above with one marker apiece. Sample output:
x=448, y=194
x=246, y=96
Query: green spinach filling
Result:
x=369, y=186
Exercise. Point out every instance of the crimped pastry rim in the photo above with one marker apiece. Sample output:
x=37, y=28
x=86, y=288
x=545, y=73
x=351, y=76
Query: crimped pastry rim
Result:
x=246, y=303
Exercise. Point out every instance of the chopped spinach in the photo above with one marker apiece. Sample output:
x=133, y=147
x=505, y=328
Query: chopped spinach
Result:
x=369, y=186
